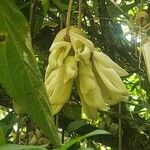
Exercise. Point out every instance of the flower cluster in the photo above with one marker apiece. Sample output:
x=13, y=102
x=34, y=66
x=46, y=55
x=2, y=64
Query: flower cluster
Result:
x=97, y=77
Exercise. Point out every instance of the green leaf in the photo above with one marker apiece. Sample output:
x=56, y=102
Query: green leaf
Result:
x=20, y=147
x=19, y=72
x=45, y=5
x=78, y=139
x=2, y=136
x=76, y=125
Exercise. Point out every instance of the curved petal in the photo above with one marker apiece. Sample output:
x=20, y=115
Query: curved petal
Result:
x=56, y=108
x=86, y=78
x=82, y=47
x=110, y=78
x=104, y=60
x=111, y=94
x=70, y=68
x=49, y=76
x=89, y=88
x=89, y=111
x=59, y=92
x=60, y=35
x=59, y=52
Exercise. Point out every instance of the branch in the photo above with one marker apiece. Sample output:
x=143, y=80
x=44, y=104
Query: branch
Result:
x=69, y=16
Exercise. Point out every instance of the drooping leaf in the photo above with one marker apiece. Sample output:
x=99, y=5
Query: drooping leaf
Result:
x=19, y=73
x=78, y=139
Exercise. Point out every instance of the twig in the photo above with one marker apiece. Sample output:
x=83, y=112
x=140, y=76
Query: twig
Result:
x=61, y=21
x=18, y=130
x=57, y=120
x=68, y=16
x=63, y=135
x=80, y=14
x=120, y=128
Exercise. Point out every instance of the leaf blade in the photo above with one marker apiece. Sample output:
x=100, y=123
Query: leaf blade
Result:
x=78, y=139
x=20, y=75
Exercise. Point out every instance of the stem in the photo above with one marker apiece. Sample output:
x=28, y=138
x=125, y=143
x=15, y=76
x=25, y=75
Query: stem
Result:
x=120, y=128
x=33, y=19
x=80, y=14
x=69, y=16
x=61, y=21
x=18, y=130
x=63, y=135
x=57, y=120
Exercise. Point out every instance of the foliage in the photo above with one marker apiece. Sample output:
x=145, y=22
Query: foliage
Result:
x=25, y=87
x=22, y=67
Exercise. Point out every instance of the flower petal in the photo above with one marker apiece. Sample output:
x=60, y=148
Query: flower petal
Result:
x=104, y=60
x=82, y=47
x=70, y=68
x=89, y=88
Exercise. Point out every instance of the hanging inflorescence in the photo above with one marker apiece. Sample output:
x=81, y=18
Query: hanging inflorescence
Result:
x=97, y=77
